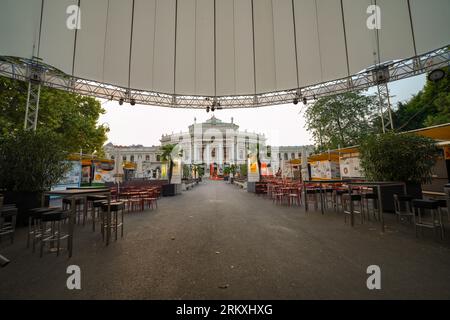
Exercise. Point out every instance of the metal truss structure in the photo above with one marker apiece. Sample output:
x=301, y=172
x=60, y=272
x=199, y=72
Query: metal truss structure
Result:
x=385, y=101
x=25, y=69
x=34, y=74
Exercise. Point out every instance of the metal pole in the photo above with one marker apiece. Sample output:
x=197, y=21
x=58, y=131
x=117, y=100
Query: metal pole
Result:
x=381, y=109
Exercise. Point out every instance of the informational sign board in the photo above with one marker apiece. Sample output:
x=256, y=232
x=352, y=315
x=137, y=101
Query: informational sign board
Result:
x=264, y=169
x=177, y=171
x=72, y=179
x=325, y=170
x=101, y=175
x=253, y=170
x=351, y=168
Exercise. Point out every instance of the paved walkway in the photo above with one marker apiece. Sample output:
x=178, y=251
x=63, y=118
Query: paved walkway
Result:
x=220, y=242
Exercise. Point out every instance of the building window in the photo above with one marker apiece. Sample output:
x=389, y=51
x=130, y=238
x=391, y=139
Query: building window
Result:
x=279, y=156
x=132, y=158
x=158, y=158
x=241, y=154
x=147, y=158
x=285, y=156
x=124, y=158
x=292, y=155
x=299, y=155
x=112, y=157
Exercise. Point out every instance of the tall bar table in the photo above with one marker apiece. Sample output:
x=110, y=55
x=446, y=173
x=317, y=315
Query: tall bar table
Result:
x=377, y=185
x=74, y=194
x=320, y=183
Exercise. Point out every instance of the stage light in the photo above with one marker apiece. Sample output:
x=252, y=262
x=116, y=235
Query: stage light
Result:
x=133, y=102
x=305, y=101
x=295, y=101
x=121, y=101
x=207, y=109
x=436, y=75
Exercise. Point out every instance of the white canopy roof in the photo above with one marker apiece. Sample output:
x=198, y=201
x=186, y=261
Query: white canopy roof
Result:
x=220, y=47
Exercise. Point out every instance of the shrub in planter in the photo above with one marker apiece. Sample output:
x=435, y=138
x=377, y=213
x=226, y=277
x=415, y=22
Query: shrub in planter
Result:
x=406, y=158
x=30, y=163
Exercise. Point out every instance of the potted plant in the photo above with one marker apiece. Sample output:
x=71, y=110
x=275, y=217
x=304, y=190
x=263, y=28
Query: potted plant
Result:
x=30, y=163
x=226, y=173
x=396, y=157
x=233, y=170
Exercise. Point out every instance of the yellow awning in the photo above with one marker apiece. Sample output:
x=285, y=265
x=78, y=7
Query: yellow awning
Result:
x=295, y=161
x=330, y=156
x=439, y=132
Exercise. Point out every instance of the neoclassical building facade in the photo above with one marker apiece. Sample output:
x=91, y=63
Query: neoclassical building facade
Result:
x=214, y=144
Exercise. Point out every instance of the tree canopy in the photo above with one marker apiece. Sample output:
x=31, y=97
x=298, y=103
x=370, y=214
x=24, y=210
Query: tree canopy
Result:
x=71, y=116
x=341, y=120
x=431, y=106
x=31, y=161
x=398, y=157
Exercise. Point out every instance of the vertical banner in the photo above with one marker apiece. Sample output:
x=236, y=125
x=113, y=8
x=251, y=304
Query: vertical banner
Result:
x=253, y=170
x=72, y=178
x=164, y=171
x=176, y=171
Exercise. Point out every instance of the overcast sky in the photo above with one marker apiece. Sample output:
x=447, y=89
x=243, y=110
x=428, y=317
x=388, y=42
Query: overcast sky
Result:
x=282, y=124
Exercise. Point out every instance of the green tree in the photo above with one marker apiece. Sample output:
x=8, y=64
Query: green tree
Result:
x=431, y=106
x=398, y=157
x=31, y=161
x=71, y=116
x=187, y=173
x=341, y=120
x=243, y=170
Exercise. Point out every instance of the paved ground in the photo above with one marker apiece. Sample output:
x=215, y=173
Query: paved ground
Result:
x=220, y=242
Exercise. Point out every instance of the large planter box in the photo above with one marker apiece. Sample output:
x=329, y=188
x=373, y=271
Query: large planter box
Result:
x=387, y=195
x=24, y=201
x=170, y=190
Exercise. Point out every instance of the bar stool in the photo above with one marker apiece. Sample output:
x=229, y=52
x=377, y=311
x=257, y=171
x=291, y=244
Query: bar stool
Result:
x=327, y=194
x=436, y=216
x=403, y=207
x=349, y=206
x=366, y=199
x=8, y=215
x=443, y=204
x=337, y=199
x=34, y=227
x=312, y=196
x=114, y=223
x=96, y=211
x=67, y=202
x=55, y=219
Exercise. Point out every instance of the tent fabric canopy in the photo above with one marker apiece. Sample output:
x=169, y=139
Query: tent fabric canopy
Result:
x=438, y=133
x=219, y=47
